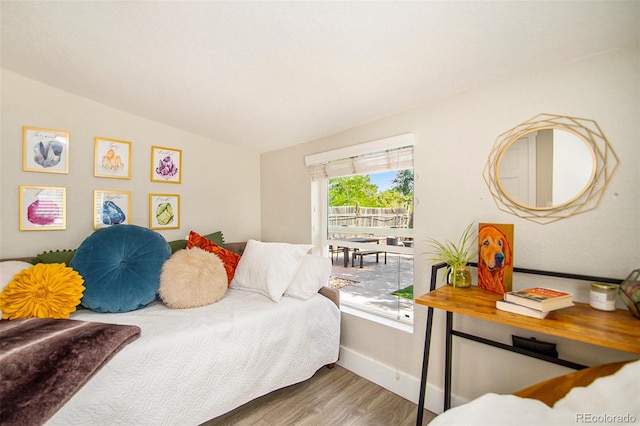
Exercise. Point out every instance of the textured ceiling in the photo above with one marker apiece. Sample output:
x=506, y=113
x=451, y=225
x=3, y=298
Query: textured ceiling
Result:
x=266, y=75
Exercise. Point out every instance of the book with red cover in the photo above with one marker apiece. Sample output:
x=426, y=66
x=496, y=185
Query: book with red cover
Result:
x=540, y=298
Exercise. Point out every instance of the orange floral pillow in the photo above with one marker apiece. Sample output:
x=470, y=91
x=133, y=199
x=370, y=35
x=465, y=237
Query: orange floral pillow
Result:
x=229, y=258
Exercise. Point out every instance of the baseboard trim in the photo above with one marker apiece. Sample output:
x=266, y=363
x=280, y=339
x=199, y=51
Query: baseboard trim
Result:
x=398, y=382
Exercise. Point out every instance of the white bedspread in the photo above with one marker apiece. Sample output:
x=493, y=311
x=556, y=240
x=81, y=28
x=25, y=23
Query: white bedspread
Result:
x=192, y=365
x=608, y=400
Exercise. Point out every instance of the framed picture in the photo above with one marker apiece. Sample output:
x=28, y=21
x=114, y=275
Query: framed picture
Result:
x=164, y=211
x=45, y=150
x=495, y=257
x=111, y=208
x=112, y=158
x=43, y=208
x=166, y=164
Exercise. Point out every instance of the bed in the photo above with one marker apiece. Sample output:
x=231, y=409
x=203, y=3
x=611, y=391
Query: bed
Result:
x=605, y=394
x=187, y=366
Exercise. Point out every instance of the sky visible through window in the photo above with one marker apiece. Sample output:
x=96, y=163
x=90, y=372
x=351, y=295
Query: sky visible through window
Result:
x=383, y=180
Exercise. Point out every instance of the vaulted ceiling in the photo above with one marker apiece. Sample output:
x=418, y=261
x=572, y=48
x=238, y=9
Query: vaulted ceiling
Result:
x=266, y=75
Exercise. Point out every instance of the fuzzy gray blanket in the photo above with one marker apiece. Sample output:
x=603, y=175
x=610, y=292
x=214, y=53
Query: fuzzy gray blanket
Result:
x=43, y=363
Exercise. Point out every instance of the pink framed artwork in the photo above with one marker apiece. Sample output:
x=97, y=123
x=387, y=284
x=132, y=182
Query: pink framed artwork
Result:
x=43, y=208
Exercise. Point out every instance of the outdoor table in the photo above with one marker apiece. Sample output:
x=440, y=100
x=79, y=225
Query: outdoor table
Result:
x=345, y=250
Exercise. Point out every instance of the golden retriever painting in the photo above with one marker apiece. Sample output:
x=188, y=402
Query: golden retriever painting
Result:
x=495, y=258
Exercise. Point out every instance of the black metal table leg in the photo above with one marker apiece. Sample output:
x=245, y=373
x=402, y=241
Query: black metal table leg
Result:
x=425, y=367
x=448, y=361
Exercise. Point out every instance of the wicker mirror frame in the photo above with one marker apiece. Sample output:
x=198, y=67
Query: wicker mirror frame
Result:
x=606, y=163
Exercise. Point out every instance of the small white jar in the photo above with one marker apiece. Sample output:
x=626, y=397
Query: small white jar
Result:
x=603, y=296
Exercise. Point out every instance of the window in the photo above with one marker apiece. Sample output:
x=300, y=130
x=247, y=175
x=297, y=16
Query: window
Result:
x=363, y=215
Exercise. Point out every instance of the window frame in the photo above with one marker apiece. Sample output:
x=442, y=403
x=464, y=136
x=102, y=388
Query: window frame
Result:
x=319, y=220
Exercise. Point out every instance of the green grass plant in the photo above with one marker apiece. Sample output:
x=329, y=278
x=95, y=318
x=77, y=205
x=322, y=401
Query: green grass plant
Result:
x=455, y=255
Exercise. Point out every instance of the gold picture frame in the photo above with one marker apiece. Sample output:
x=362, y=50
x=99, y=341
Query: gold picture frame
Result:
x=166, y=165
x=45, y=150
x=164, y=211
x=112, y=158
x=111, y=208
x=43, y=208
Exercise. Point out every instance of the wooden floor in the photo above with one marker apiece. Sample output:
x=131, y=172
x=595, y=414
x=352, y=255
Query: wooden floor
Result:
x=330, y=397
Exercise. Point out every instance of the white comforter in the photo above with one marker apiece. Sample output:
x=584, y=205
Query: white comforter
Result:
x=612, y=399
x=192, y=365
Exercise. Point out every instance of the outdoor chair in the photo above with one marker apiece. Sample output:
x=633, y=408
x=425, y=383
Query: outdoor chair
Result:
x=335, y=251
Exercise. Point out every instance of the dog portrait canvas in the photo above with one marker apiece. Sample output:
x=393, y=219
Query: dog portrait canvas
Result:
x=495, y=257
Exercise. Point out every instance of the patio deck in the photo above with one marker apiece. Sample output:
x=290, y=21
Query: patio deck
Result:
x=375, y=283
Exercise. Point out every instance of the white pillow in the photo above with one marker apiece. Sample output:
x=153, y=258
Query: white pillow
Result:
x=616, y=394
x=503, y=410
x=312, y=275
x=613, y=397
x=9, y=268
x=268, y=268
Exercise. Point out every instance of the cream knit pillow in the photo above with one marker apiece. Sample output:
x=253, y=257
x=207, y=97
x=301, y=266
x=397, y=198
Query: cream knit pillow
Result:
x=191, y=278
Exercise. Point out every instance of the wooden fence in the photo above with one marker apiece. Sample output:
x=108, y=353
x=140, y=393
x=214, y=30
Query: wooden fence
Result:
x=370, y=217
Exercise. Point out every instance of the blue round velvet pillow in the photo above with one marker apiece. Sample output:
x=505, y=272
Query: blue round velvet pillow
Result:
x=121, y=267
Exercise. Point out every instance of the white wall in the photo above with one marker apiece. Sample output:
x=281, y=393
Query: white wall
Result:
x=220, y=187
x=248, y=196
x=453, y=139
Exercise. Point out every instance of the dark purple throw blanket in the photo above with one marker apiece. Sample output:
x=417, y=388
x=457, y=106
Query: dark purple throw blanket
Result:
x=43, y=363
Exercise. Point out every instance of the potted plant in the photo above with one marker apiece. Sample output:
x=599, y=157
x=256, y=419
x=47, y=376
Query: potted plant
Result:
x=456, y=256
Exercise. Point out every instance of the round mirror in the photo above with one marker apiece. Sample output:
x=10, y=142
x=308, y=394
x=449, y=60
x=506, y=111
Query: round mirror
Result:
x=550, y=167
x=545, y=168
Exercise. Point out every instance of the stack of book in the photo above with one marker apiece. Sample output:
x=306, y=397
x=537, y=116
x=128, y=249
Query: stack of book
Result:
x=535, y=302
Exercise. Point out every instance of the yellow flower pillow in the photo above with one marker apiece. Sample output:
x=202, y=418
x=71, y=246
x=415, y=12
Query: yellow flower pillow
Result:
x=43, y=291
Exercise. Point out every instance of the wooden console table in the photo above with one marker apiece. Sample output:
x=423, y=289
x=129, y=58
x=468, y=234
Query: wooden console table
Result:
x=617, y=329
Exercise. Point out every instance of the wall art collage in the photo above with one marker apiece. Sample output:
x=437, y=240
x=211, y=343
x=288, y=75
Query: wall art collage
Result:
x=44, y=207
